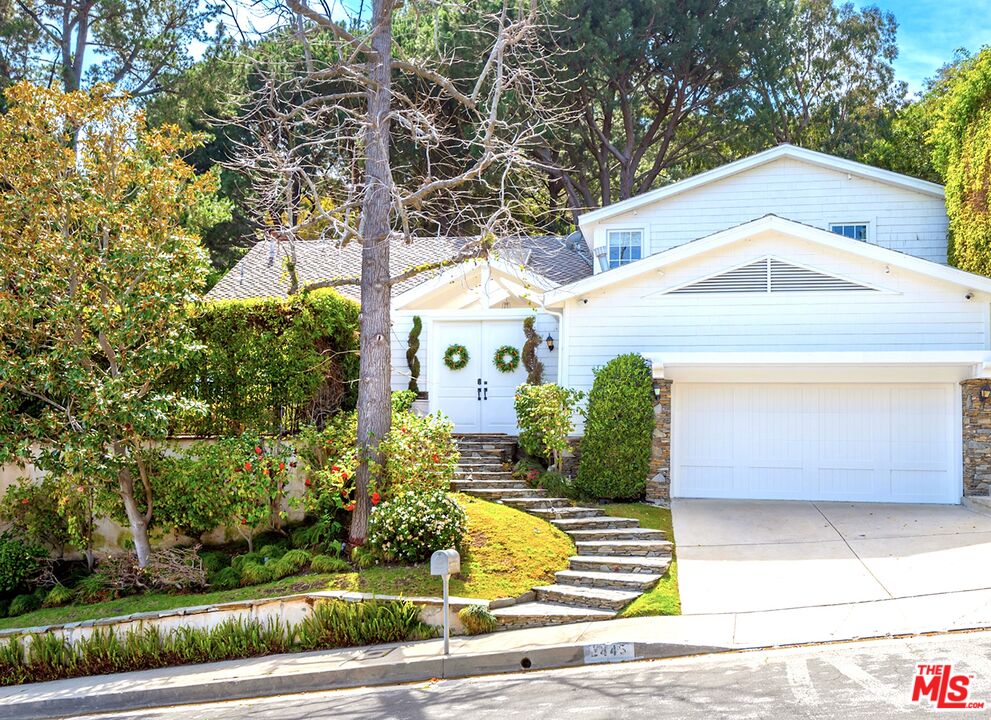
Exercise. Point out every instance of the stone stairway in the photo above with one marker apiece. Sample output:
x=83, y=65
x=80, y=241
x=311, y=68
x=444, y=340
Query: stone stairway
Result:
x=616, y=561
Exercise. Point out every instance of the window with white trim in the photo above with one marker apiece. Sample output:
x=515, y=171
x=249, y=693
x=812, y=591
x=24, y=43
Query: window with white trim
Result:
x=625, y=246
x=854, y=231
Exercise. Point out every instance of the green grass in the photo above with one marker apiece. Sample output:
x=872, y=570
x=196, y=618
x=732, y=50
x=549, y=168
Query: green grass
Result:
x=509, y=552
x=663, y=599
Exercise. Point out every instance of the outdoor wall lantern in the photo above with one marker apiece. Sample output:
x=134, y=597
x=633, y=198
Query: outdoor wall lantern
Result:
x=985, y=393
x=550, y=342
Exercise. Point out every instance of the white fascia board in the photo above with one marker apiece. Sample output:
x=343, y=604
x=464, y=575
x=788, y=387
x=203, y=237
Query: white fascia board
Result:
x=765, y=224
x=458, y=271
x=781, y=151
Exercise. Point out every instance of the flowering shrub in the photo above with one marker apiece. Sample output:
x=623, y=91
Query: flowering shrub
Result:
x=544, y=415
x=412, y=525
x=234, y=481
x=419, y=454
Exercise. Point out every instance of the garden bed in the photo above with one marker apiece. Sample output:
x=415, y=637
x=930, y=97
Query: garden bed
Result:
x=509, y=552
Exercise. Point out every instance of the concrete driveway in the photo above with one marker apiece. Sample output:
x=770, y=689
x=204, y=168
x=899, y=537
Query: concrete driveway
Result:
x=745, y=555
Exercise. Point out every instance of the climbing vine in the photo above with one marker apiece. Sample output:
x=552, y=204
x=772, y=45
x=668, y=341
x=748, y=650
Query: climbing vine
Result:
x=412, y=348
x=961, y=142
x=534, y=367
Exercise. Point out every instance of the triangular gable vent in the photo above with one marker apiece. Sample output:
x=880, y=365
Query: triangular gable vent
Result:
x=769, y=275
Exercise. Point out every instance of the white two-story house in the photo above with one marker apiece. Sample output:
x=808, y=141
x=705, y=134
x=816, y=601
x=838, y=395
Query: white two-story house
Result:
x=807, y=337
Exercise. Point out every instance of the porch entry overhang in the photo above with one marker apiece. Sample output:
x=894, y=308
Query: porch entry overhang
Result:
x=825, y=366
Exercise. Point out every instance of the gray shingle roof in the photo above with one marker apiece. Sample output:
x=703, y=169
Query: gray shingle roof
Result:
x=261, y=272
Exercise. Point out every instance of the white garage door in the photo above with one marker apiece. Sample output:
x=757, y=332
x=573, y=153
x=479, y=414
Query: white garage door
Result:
x=880, y=443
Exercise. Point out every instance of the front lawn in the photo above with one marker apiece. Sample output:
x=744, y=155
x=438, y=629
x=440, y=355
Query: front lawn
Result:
x=509, y=553
x=663, y=598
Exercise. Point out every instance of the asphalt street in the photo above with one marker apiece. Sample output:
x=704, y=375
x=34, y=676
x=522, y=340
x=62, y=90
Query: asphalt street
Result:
x=850, y=681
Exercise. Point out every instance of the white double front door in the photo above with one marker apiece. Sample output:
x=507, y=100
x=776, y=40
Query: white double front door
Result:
x=478, y=397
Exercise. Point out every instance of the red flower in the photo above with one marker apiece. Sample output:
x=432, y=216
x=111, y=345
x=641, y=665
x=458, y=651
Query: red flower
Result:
x=25, y=501
x=308, y=482
x=265, y=472
x=258, y=450
x=282, y=466
x=344, y=475
x=335, y=468
x=350, y=507
x=244, y=521
x=247, y=466
x=376, y=498
x=435, y=457
x=344, y=493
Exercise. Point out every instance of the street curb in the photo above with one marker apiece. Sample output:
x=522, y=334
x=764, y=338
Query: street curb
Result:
x=420, y=670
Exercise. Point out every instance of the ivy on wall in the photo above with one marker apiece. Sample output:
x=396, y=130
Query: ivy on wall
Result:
x=269, y=364
x=961, y=140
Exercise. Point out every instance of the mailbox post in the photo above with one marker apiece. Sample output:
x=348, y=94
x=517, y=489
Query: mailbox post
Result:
x=446, y=563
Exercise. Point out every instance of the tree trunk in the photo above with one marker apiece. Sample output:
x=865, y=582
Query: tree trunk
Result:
x=374, y=406
x=135, y=518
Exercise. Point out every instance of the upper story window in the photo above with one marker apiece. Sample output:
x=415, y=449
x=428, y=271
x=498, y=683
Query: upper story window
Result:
x=854, y=231
x=625, y=246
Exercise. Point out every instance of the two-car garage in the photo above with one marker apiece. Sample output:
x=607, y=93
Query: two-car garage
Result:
x=881, y=442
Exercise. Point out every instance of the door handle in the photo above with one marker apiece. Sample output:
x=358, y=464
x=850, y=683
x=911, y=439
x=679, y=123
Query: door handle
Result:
x=486, y=389
x=480, y=390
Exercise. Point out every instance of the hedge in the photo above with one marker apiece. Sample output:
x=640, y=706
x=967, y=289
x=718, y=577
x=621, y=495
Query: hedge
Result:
x=270, y=365
x=615, y=454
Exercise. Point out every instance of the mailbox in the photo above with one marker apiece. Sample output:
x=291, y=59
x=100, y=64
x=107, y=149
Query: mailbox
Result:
x=445, y=562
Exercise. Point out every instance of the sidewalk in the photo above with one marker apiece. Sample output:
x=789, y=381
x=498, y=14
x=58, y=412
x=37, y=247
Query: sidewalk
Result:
x=534, y=649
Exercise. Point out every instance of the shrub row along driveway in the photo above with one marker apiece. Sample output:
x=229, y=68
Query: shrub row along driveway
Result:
x=745, y=555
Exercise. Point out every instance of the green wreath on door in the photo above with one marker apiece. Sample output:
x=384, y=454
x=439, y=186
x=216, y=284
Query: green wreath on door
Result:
x=506, y=359
x=456, y=357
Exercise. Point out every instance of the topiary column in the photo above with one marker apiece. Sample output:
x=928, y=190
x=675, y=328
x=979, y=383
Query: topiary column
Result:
x=534, y=368
x=412, y=348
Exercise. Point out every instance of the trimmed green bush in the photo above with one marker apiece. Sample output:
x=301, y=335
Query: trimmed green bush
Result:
x=58, y=596
x=615, y=456
x=214, y=561
x=292, y=563
x=544, y=414
x=24, y=604
x=478, y=620
x=240, y=561
x=329, y=564
x=226, y=579
x=18, y=563
x=412, y=525
x=256, y=574
x=272, y=551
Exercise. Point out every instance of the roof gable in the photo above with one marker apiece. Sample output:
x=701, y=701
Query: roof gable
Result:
x=763, y=158
x=769, y=275
x=755, y=228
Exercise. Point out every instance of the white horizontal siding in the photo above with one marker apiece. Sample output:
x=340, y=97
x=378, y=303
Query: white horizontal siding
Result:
x=911, y=313
x=900, y=219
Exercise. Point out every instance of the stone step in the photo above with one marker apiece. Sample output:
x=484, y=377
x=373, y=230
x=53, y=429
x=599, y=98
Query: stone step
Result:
x=563, y=512
x=629, y=548
x=634, y=582
x=538, y=614
x=483, y=466
x=637, y=533
x=484, y=474
x=531, y=501
x=620, y=564
x=580, y=596
x=509, y=495
x=467, y=485
x=590, y=523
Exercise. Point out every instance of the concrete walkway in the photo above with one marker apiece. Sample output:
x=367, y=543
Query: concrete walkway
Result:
x=538, y=648
x=745, y=555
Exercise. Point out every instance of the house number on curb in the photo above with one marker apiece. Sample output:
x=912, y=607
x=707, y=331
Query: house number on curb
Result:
x=609, y=652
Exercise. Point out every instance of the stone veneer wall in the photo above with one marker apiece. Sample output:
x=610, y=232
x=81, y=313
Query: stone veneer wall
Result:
x=659, y=482
x=976, y=439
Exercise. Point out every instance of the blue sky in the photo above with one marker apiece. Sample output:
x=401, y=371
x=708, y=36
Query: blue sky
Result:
x=929, y=31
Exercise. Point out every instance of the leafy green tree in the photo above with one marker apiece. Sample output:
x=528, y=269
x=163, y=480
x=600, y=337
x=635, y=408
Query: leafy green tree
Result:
x=961, y=141
x=647, y=82
x=97, y=264
x=827, y=83
x=134, y=44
